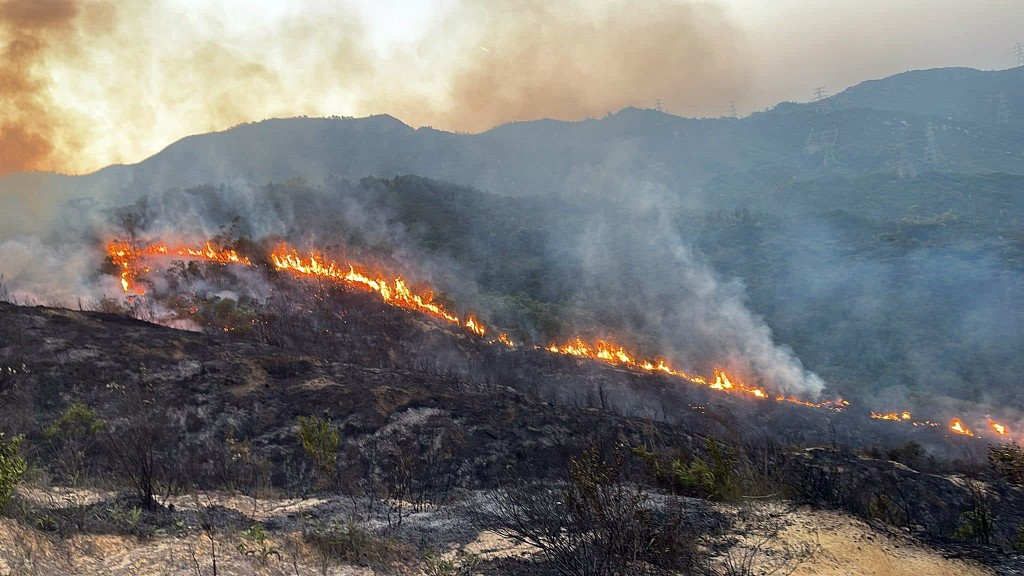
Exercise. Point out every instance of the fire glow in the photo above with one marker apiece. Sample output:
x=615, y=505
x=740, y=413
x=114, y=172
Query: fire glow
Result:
x=611, y=353
x=395, y=292
x=959, y=428
x=900, y=416
x=131, y=260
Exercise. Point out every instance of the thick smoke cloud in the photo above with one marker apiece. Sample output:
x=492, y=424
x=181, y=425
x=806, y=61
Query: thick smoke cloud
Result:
x=573, y=60
x=642, y=273
x=88, y=83
x=34, y=131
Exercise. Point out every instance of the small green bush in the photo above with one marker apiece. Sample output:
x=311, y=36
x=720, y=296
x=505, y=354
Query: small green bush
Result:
x=255, y=543
x=350, y=543
x=461, y=564
x=713, y=477
x=320, y=439
x=976, y=524
x=12, y=467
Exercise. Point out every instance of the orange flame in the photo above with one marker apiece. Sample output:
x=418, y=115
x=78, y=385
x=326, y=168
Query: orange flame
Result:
x=130, y=259
x=396, y=292
x=959, y=428
x=617, y=355
x=997, y=428
x=897, y=416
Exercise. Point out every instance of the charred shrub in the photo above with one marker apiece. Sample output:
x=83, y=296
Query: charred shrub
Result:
x=350, y=543
x=1007, y=460
x=597, y=523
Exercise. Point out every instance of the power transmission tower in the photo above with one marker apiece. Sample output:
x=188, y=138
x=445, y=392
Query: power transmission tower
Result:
x=1018, y=51
x=732, y=110
x=932, y=155
x=823, y=141
x=657, y=105
x=820, y=93
x=904, y=167
x=1003, y=117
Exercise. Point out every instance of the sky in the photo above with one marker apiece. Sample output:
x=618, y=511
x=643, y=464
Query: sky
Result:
x=88, y=83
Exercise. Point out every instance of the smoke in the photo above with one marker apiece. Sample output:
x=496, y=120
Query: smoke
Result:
x=640, y=272
x=35, y=134
x=87, y=83
x=524, y=60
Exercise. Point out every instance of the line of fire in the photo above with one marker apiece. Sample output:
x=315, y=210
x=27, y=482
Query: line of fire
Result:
x=134, y=260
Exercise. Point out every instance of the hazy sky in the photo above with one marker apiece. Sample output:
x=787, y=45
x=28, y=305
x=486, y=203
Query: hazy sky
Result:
x=86, y=83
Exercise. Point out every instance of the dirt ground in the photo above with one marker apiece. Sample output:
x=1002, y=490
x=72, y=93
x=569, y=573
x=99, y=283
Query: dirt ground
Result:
x=846, y=546
x=824, y=543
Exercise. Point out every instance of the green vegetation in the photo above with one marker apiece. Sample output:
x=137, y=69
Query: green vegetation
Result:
x=320, y=440
x=256, y=543
x=73, y=436
x=350, y=543
x=713, y=476
x=12, y=467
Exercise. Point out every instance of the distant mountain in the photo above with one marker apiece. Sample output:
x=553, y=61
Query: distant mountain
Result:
x=954, y=94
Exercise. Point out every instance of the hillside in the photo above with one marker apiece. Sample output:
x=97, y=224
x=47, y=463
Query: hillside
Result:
x=219, y=415
x=642, y=344
x=946, y=119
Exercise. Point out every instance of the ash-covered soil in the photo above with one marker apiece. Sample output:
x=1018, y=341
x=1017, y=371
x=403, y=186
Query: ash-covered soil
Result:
x=426, y=419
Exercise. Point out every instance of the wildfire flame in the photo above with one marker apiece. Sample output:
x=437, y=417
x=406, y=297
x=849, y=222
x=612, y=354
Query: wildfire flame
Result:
x=897, y=416
x=131, y=260
x=959, y=428
x=396, y=292
x=615, y=354
x=997, y=428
